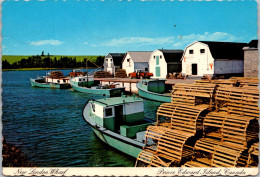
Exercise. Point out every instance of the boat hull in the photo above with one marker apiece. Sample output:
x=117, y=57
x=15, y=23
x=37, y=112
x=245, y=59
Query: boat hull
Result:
x=107, y=92
x=153, y=96
x=49, y=85
x=118, y=144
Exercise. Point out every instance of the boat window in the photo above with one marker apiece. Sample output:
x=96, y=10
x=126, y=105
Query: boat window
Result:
x=79, y=79
x=93, y=107
x=83, y=79
x=64, y=80
x=108, y=112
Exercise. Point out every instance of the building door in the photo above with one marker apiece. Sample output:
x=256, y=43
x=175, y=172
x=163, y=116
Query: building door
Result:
x=118, y=117
x=157, y=71
x=194, y=69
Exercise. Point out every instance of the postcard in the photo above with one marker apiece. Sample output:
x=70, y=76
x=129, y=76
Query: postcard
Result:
x=129, y=88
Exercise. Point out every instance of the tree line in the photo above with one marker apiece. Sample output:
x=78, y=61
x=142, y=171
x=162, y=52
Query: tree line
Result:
x=48, y=62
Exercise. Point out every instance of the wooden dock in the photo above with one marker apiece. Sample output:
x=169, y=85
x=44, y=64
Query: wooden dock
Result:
x=130, y=84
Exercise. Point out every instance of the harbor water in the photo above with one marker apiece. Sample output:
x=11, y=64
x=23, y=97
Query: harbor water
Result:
x=47, y=124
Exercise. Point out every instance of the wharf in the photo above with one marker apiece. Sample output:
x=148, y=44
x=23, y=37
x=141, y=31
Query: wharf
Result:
x=130, y=84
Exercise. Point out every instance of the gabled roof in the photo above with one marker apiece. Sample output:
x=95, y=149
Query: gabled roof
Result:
x=117, y=58
x=225, y=50
x=172, y=55
x=253, y=44
x=139, y=56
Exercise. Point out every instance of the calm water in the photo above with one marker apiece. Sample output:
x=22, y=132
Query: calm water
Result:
x=48, y=126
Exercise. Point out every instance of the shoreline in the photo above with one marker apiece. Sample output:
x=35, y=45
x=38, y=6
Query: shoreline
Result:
x=35, y=69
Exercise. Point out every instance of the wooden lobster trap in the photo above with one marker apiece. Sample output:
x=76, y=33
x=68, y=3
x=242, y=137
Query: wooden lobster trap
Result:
x=253, y=155
x=172, y=147
x=181, y=117
x=193, y=94
x=241, y=101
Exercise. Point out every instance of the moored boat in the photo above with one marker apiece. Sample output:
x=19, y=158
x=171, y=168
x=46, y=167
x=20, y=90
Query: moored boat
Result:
x=85, y=84
x=54, y=80
x=154, y=90
x=119, y=122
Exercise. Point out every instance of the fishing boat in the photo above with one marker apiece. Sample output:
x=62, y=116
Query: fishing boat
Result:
x=54, y=80
x=119, y=122
x=154, y=89
x=86, y=84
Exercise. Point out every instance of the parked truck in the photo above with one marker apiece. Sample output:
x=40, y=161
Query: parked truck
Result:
x=140, y=74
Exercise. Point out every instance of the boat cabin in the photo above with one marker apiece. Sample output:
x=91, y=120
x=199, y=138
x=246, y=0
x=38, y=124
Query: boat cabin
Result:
x=57, y=77
x=124, y=115
x=156, y=85
x=83, y=81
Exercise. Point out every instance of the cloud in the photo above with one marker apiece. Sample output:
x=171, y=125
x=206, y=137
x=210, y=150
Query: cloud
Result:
x=46, y=42
x=85, y=43
x=136, y=41
x=217, y=36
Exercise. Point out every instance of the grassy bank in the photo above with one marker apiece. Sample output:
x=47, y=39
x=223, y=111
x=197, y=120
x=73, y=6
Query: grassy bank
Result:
x=14, y=58
x=32, y=69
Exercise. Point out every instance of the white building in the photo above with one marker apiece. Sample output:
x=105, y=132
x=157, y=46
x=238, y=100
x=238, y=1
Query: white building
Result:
x=136, y=60
x=113, y=62
x=213, y=58
x=163, y=62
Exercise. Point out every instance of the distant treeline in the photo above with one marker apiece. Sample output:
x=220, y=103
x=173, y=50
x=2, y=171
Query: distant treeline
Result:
x=49, y=62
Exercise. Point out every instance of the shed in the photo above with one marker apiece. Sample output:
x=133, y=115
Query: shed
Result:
x=113, y=62
x=213, y=58
x=251, y=59
x=162, y=62
x=136, y=60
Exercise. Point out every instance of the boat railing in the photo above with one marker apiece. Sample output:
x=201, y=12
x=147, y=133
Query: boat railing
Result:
x=93, y=71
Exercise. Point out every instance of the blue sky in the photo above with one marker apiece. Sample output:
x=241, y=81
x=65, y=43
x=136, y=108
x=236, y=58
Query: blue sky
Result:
x=77, y=27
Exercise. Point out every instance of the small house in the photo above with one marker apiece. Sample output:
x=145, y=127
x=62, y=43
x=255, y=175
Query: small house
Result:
x=113, y=62
x=136, y=60
x=163, y=62
x=251, y=59
x=213, y=58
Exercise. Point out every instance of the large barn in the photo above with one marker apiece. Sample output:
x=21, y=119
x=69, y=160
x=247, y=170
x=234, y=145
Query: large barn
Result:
x=162, y=62
x=113, y=62
x=213, y=58
x=136, y=60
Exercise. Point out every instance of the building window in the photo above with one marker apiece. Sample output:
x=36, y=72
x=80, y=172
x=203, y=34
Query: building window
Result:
x=145, y=69
x=191, y=52
x=202, y=50
x=128, y=60
x=160, y=56
x=154, y=56
x=109, y=112
x=111, y=60
x=106, y=60
x=79, y=79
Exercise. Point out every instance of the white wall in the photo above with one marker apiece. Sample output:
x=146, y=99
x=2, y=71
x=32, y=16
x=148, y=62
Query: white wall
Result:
x=162, y=64
x=109, y=65
x=99, y=110
x=131, y=108
x=128, y=66
x=225, y=66
x=48, y=79
x=204, y=61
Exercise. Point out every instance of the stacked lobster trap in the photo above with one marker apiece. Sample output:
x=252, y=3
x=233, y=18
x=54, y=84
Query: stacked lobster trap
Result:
x=207, y=124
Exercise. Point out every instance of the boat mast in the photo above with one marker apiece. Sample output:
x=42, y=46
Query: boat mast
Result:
x=87, y=70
